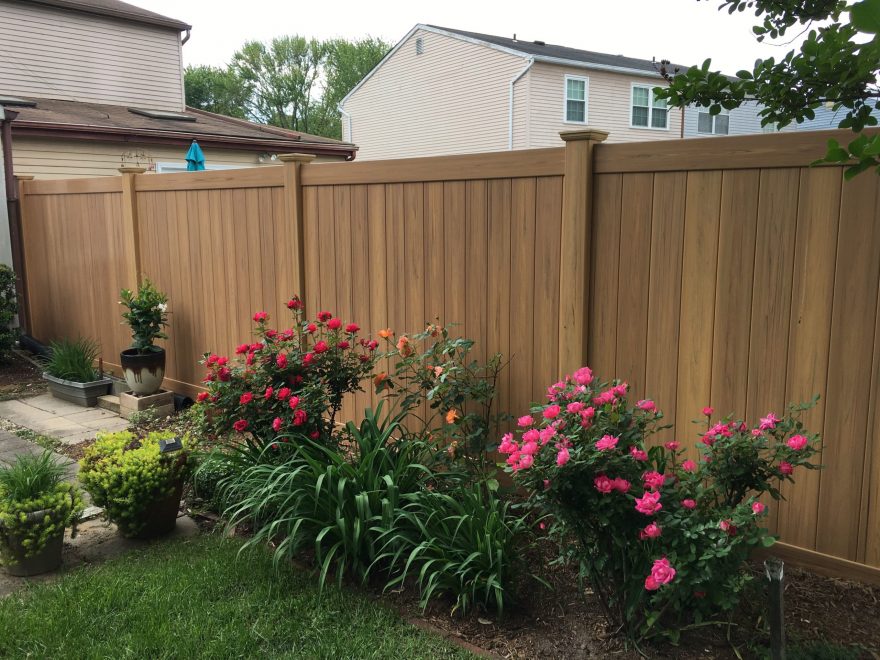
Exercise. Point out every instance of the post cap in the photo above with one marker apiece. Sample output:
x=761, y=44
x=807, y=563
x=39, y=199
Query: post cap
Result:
x=132, y=170
x=296, y=158
x=593, y=134
x=24, y=177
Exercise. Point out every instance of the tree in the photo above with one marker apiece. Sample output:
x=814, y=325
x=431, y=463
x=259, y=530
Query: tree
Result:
x=837, y=63
x=216, y=90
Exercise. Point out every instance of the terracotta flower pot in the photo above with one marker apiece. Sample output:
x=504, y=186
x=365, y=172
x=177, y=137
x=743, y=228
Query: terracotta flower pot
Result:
x=143, y=372
x=46, y=560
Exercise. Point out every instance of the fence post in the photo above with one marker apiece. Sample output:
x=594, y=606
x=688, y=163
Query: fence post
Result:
x=130, y=225
x=16, y=239
x=292, y=164
x=574, y=261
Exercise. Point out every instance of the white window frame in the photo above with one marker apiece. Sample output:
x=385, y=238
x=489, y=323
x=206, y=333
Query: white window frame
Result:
x=650, y=88
x=701, y=111
x=586, y=81
x=168, y=167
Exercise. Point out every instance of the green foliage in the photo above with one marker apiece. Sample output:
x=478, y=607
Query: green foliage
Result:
x=291, y=81
x=33, y=485
x=199, y=599
x=466, y=543
x=8, y=310
x=837, y=64
x=216, y=89
x=336, y=505
x=436, y=368
x=73, y=359
x=825, y=651
x=126, y=475
x=146, y=316
x=213, y=468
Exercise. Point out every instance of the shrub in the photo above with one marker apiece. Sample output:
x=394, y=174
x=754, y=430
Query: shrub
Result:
x=290, y=383
x=126, y=475
x=319, y=499
x=437, y=368
x=466, y=543
x=662, y=538
x=8, y=310
x=146, y=316
x=73, y=359
x=30, y=485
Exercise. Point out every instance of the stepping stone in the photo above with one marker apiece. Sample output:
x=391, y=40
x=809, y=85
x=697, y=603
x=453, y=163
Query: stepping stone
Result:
x=109, y=402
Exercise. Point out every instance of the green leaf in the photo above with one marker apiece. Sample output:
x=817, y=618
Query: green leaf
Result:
x=865, y=16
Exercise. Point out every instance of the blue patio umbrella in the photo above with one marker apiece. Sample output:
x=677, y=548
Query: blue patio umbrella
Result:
x=195, y=159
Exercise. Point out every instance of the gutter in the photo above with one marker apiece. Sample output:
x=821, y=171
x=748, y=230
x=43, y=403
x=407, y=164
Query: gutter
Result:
x=529, y=62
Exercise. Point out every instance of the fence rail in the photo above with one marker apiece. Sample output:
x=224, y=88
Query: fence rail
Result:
x=721, y=272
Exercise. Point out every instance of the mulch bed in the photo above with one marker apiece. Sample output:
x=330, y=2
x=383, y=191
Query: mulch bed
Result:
x=20, y=377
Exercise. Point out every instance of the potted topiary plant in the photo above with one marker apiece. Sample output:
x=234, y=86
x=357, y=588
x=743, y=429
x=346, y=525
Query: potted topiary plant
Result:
x=138, y=481
x=36, y=506
x=143, y=365
x=71, y=374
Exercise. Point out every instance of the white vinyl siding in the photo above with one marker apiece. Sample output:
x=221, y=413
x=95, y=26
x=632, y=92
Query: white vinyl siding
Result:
x=709, y=124
x=60, y=54
x=576, y=99
x=646, y=111
x=451, y=99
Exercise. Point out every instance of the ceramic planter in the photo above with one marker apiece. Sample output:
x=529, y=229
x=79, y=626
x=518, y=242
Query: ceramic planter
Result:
x=160, y=518
x=84, y=394
x=46, y=560
x=143, y=372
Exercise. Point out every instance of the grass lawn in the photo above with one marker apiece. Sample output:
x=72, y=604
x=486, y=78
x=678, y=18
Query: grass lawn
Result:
x=196, y=599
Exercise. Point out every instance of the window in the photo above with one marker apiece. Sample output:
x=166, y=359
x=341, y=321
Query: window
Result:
x=713, y=124
x=648, y=112
x=576, y=92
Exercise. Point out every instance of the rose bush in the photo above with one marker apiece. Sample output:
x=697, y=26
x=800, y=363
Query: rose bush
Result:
x=661, y=537
x=290, y=382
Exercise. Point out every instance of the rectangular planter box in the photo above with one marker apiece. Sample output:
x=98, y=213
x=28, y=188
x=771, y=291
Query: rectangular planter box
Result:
x=84, y=394
x=160, y=404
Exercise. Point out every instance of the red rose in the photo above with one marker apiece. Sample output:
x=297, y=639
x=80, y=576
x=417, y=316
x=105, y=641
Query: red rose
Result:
x=342, y=345
x=299, y=417
x=324, y=316
x=294, y=303
x=308, y=358
x=246, y=398
x=268, y=393
x=294, y=402
x=222, y=361
x=334, y=324
x=212, y=359
x=261, y=317
x=373, y=345
x=311, y=328
x=240, y=425
x=224, y=374
x=352, y=328
x=276, y=424
x=202, y=397
x=242, y=349
x=321, y=347
x=281, y=360
x=283, y=393
x=314, y=435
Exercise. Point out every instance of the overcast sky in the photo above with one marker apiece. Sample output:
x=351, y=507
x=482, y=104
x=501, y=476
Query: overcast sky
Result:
x=683, y=31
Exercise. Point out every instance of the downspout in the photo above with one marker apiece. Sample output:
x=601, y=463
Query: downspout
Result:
x=347, y=118
x=529, y=62
x=13, y=208
x=186, y=38
x=6, y=118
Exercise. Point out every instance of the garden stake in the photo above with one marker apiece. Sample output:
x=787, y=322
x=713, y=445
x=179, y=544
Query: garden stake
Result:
x=774, y=571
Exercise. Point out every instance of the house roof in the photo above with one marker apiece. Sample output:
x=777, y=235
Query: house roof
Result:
x=116, y=9
x=96, y=121
x=544, y=51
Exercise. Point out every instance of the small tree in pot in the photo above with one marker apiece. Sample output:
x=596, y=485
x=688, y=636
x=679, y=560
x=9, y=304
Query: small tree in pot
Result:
x=36, y=506
x=143, y=364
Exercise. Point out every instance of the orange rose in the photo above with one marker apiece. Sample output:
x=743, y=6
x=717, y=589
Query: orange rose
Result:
x=386, y=333
x=378, y=379
x=404, y=347
x=451, y=416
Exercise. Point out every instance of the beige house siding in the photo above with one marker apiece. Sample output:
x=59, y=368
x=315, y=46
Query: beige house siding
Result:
x=65, y=159
x=451, y=99
x=608, y=106
x=53, y=53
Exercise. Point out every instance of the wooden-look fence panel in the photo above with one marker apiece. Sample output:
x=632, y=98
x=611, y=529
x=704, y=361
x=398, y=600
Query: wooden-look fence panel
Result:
x=721, y=272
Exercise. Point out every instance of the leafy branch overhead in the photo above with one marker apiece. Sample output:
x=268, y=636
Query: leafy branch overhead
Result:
x=291, y=82
x=835, y=66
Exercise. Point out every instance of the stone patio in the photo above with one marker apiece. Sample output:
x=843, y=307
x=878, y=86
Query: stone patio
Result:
x=64, y=421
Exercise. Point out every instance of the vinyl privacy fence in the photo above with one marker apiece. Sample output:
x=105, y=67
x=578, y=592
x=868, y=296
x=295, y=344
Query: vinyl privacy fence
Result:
x=721, y=272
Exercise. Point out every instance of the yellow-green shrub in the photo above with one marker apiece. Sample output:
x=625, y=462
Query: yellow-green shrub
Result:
x=126, y=475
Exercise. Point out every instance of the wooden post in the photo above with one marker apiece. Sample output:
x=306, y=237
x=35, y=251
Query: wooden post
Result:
x=574, y=261
x=292, y=164
x=16, y=239
x=130, y=225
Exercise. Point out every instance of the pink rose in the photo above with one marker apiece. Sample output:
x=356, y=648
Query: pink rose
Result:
x=652, y=531
x=620, y=484
x=603, y=484
x=797, y=442
x=281, y=360
x=245, y=398
x=638, y=454
x=689, y=504
x=583, y=376
x=562, y=457
x=546, y=434
x=728, y=526
x=507, y=444
x=651, y=584
x=653, y=480
x=525, y=420
x=268, y=393
x=551, y=412
x=276, y=424
x=530, y=448
x=672, y=445
x=708, y=411
x=785, y=467
x=758, y=508
x=240, y=425
x=662, y=571
x=526, y=461
x=689, y=466
x=299, y=417
x=768, y=422
x=606, y=443
x=574, y=407
x=649, y=503
x=532, y=435
x=647, y=405
x=283, y=393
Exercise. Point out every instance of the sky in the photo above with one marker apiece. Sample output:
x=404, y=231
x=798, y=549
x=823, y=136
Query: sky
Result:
x=682, y=31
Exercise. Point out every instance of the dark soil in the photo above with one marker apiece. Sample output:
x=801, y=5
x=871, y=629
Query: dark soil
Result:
x=20, y=377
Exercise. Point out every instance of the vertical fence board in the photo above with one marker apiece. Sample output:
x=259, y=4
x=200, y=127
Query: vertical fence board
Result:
x=545, y=351
x=602, y=340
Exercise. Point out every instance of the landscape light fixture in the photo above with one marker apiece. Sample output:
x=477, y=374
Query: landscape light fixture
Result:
x=168, y=445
